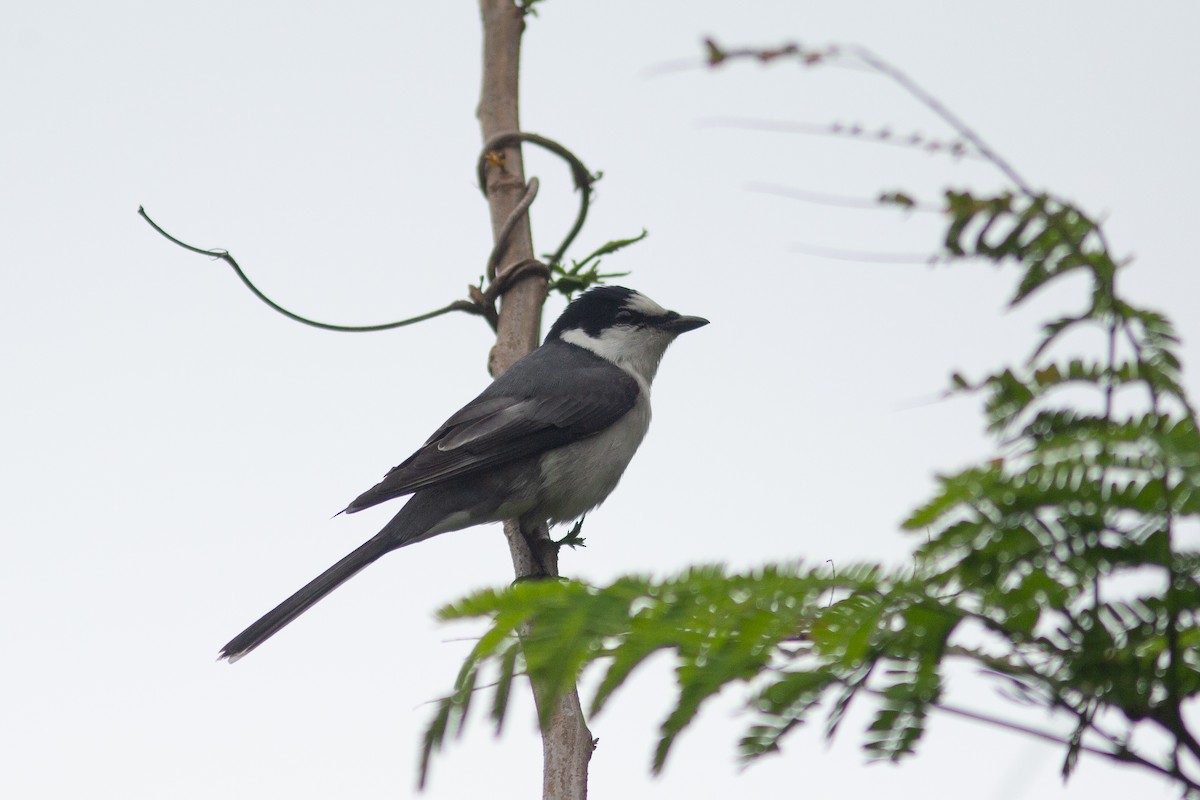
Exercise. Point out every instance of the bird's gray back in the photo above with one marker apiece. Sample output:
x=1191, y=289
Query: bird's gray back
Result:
x=557, y=395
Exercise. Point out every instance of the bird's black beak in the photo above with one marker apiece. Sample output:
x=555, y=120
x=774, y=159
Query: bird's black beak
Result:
x=681, y=324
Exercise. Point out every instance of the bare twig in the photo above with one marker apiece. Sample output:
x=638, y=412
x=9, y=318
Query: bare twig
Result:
x=866, y=256
x=842, y=201
x=714, y=56
x=1120, y=754
x=852, y=131
x=224, y=255
x=949, y=117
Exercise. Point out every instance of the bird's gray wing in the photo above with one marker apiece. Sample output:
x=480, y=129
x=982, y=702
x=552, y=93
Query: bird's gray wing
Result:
x=549, y=399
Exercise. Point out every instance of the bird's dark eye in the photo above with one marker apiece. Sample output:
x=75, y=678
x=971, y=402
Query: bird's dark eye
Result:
x=624, y=315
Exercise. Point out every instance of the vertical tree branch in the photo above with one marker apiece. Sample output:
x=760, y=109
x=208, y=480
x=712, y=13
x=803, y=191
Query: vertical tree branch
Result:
x=521, y=308
x=566, y=741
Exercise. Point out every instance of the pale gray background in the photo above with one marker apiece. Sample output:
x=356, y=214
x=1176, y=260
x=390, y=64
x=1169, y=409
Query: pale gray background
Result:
x=173, y=450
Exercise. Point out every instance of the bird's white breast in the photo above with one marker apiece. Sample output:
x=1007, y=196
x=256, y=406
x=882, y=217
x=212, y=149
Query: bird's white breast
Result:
x=578, y=477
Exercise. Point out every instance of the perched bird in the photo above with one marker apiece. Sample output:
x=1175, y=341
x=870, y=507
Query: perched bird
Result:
x=546, y=442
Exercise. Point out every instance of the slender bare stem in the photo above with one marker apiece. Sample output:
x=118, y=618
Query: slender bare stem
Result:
x=567, y=743
x=224, y=255
x=1119, y=754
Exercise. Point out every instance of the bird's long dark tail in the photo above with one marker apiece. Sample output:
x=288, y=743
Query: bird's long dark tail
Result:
x=424, y=513
x=275, y=619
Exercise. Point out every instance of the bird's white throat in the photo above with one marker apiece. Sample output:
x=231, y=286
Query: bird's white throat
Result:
x=636, y=350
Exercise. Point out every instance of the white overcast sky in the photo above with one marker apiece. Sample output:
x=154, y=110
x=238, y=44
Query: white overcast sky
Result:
x=173, y=450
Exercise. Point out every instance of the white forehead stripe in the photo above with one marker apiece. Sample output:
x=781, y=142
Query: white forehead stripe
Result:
x=644, y=305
